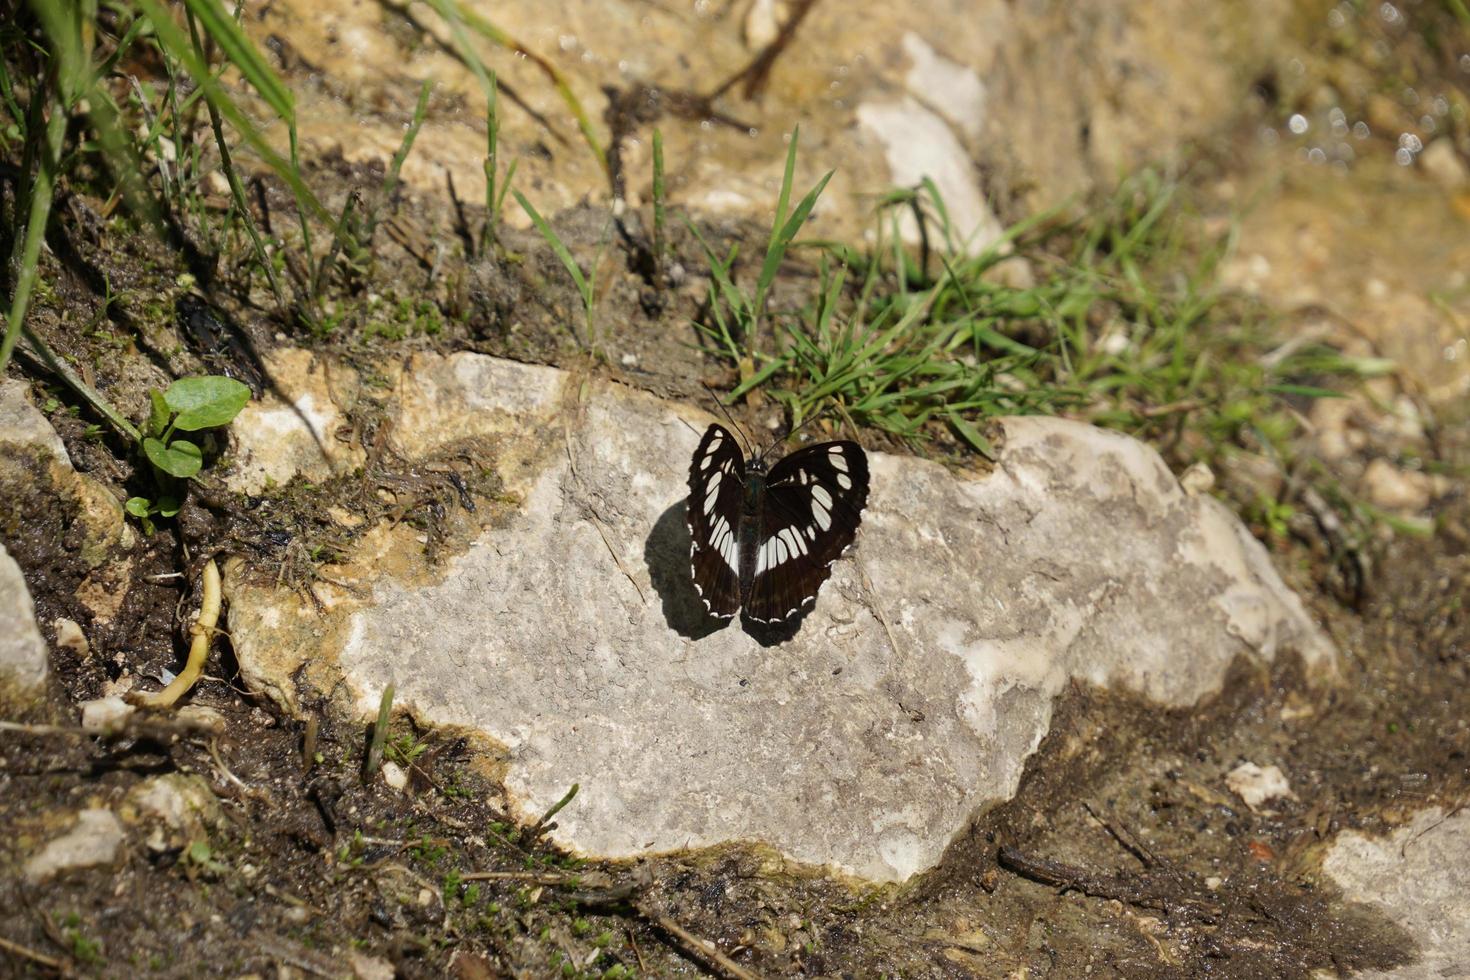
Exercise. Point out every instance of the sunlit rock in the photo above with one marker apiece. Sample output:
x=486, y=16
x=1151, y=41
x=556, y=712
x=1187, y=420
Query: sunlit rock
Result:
x=1420, y=878
x=568, y=630
x=95, y=840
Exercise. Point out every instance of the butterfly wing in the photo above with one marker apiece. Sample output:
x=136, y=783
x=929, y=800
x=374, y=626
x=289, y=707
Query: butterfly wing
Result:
x=813, y=505
x=716, y=499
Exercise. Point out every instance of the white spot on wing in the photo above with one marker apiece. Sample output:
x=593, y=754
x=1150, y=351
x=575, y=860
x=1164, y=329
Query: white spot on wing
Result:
x=819, y=493
x=844, y=481
x=819, y=513
x=839, y=461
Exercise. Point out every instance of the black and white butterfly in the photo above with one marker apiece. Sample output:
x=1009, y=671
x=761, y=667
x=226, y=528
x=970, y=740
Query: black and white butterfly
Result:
x=767, y=541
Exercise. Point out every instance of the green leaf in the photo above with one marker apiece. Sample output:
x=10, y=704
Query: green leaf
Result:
x=245, y=56
x=169, y=506
x=138, y=506
x=1306, y=391
x=972, y=436
x=158, y=413
x=179, y=458
x=204, y=403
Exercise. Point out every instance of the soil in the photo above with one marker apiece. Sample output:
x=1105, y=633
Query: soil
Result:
x=1122, y=854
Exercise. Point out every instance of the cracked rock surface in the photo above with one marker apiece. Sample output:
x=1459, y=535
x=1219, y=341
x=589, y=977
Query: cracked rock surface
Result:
x=569, y=631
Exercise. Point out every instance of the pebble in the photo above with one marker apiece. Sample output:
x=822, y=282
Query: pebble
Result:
x=1389, y=487
x=394, y=776
x=69, y=636
x=1255, y=785
x=1442, y=162
x=95, y=840
x=1198, y=479
x=105, y=714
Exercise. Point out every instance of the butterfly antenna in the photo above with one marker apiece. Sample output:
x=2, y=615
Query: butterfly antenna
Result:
x=734, y=426
x=805, y=422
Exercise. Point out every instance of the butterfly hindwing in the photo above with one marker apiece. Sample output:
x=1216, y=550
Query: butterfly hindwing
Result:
x=812, y=507
x=716, y=499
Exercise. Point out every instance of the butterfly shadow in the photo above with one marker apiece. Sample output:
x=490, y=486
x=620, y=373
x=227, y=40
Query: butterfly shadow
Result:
x=666, y=553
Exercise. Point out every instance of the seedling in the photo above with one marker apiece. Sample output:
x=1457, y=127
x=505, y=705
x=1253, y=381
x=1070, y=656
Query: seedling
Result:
x=187, y=405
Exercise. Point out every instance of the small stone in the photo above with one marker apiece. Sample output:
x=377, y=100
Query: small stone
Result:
x=69, y=636
x=1389, y=487
x=23, y=425
x=94, y=841
x=394, y=775
x=22, y=651
x=202, y=715
x=1198, y=479
x=366, y=967
x=1255, y=785
x=1442, y=162
x=105, y=714
x=183, y=804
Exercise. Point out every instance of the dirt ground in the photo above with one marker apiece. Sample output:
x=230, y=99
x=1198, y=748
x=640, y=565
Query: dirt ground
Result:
x=1122, y=854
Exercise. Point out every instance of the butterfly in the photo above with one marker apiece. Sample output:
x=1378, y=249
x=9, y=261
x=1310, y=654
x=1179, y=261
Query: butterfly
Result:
x=766, y=541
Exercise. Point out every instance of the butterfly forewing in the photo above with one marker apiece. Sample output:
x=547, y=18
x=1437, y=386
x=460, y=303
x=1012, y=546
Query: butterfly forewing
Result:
x=716, y=499
x=810, y=515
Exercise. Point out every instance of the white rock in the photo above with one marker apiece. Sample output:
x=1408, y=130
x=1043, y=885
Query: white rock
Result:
x=1394, y=489
x=202, y=715
x=23, y=665
x=911, y=696
x=22, y=424
x=274, y=439
x=1197, y=479
x=1442, y=162
x=182, y=803
x=95, y=840
x=1420, y=878
x=1255, y=785
x=917, y=144
x=762, y=24
x=105, y=714
x=365, y=967
x=69, y=636
x=955, y=90
x=394, y=776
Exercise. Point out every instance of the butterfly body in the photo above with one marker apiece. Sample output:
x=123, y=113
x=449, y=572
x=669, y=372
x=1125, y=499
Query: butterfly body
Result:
x=765, y=541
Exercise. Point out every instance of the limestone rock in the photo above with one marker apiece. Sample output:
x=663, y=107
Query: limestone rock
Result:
x=105, y=714
x=1420, y=878
x=23, y=667
x=275, y=439
x=95, y=840
x=570, y=633
x=1256, y=785
x=1040, y=100
x=39, y=490
x=184, y=807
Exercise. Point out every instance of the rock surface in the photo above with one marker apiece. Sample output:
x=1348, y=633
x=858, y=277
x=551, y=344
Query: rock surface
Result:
x=23, y=668
x=1039, y=101
x=40, y=489
x=95, y=840
x=570, y=633
x=1419, y=877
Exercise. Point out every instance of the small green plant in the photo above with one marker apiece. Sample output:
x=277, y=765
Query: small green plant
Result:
x=200, y=855
x=405, y=748
x=187, y=405
x=83, y=948
x=738, y=314
x=586, y=285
